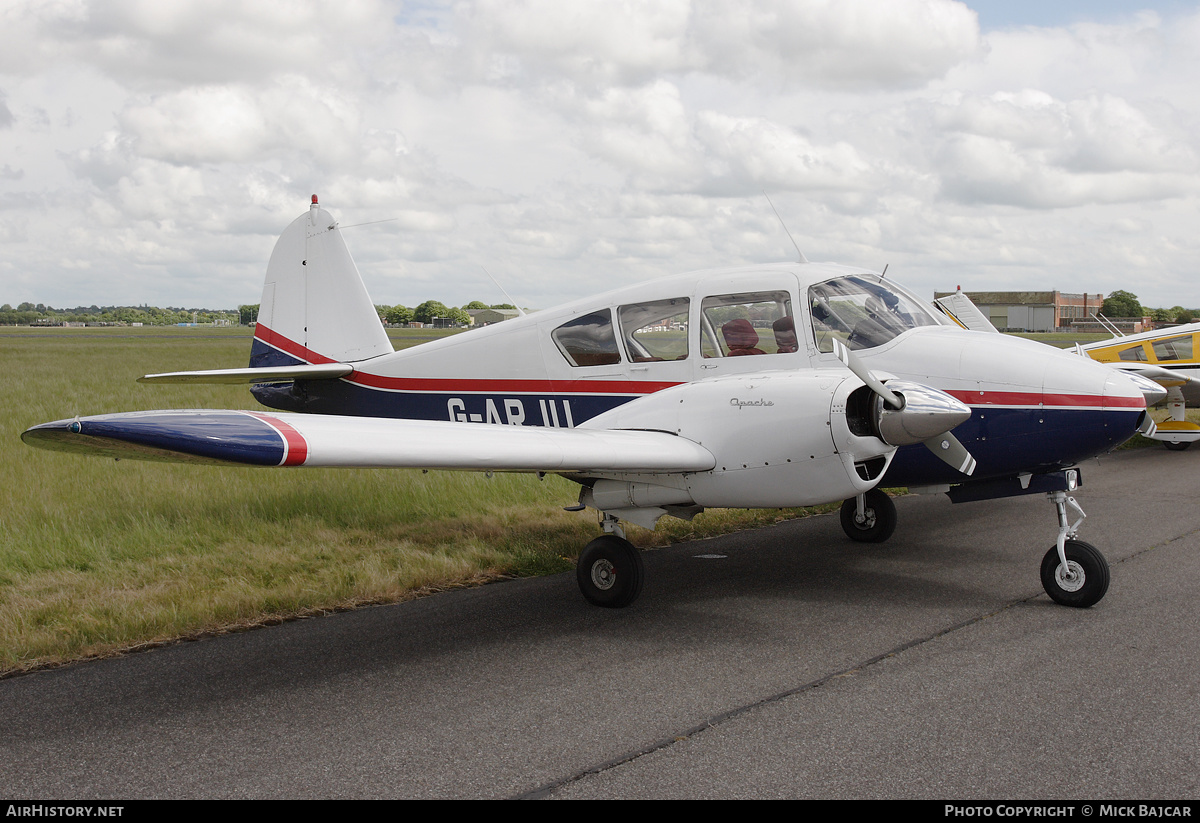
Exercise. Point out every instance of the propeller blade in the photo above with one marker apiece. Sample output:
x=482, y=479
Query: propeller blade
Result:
x=947, y=448
x=901, y=424
x=850, y=360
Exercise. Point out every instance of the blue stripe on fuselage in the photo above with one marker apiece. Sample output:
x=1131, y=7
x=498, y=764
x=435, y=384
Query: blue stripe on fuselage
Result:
x=1005, y=442
x=557, y=410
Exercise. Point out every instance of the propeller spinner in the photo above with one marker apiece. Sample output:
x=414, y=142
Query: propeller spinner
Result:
x=908, y=413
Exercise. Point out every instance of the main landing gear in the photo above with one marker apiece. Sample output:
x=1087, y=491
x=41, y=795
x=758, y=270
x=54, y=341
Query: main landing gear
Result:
x=610, y=571
x=1074, y=573
x=869, y=518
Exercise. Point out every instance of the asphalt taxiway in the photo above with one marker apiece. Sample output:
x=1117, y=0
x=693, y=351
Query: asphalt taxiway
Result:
x=783, y=662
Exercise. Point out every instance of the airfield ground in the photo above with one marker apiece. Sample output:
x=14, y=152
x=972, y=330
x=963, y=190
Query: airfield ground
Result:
x=781, y=662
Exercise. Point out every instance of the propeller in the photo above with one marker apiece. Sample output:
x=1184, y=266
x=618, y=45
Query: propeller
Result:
x=908, y=413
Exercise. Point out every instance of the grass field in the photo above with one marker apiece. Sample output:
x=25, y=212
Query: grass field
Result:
x=100, y=556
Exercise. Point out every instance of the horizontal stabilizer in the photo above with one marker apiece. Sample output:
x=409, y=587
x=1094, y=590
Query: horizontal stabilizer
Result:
x=272, y=374
x=253, y=438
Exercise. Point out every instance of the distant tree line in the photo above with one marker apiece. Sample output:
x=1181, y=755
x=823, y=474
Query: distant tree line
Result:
x=29, y=314
x=432, y=310
x=1125, y=304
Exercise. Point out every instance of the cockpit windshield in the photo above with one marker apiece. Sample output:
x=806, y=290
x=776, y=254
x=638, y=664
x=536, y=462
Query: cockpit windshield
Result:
x=863, y=312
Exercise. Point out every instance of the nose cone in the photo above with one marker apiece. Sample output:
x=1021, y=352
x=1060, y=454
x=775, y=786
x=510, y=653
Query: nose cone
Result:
x=1034, y=407
x=927, y=413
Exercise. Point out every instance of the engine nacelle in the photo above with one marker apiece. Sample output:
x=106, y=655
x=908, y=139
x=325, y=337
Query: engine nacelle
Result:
x=780, y=439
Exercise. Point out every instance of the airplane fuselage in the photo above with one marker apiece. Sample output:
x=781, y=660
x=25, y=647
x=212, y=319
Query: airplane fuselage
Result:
x=1033, y=408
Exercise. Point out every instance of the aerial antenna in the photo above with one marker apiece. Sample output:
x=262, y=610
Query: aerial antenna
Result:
x=369, y=223
x=520, y=311
x=803, y=259
x=883, y=273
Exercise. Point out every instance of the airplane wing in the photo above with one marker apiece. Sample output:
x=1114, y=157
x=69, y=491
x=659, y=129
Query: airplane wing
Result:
x=253, y=438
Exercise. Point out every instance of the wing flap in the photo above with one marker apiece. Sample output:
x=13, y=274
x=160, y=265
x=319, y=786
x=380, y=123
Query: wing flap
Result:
x=253, y=438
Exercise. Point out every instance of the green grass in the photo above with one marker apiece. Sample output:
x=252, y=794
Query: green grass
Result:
x=99, y=556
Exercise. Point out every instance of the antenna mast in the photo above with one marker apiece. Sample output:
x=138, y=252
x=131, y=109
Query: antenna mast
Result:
x=803, y=259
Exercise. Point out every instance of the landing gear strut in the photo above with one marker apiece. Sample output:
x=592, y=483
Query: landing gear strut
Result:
x=1074, y=573
x=869, y=518
x=610, y=571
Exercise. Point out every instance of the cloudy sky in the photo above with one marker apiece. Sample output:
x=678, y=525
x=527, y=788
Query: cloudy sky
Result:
x=151, y=152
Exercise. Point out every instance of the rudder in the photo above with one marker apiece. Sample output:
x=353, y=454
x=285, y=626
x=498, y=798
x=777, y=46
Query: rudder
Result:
x=315, y=308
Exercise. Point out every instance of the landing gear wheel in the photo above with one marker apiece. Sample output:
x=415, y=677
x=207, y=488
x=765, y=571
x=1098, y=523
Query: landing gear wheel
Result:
x=1177, y=447
x=1083, y=582
x=610, y=572
x=878, y=522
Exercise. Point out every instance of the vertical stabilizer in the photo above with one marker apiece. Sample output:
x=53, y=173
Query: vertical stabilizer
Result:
x=315, y=308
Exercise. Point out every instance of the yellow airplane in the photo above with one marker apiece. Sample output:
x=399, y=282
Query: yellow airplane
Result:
x=1169, y=357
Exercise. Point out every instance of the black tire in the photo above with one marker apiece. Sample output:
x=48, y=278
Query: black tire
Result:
x=610, y=572
x=1084, y=560
x=879, y=518
x=1177, y=447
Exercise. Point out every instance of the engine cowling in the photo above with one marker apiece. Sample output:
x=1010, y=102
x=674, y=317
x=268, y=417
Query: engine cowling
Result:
x=781, y=439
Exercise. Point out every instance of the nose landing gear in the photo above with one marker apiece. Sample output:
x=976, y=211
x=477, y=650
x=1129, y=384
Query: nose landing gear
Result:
x=1074, y=573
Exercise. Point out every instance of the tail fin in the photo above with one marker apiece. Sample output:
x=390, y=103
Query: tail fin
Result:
x=315, y=308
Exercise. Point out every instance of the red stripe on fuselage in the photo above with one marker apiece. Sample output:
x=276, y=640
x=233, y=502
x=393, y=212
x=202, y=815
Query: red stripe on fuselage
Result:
x=1040, y=399
x=453, y=385
x=443, y=384
x=297, y=446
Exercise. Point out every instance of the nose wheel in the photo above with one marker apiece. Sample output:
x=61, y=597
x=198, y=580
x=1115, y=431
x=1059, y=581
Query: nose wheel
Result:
x=1081, y=581
x=1074, y=573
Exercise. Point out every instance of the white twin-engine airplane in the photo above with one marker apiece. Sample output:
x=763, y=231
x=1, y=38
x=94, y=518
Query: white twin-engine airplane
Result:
x=761, y=386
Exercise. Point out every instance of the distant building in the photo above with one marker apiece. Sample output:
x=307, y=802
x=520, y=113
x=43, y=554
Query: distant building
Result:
x=485, y=317
x=1033, y=310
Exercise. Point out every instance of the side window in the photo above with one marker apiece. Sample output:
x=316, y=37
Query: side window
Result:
x=1134, y=353
x=655, y=331
x=736, y=325
x=1173, y=348
x=588, y=340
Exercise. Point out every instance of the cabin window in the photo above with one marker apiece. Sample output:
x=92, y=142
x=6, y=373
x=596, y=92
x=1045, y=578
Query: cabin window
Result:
x=588, y=340
x=1174, y=348
x=863, y=312
x=656, y=331
x=1136, y=353
x=735, y=325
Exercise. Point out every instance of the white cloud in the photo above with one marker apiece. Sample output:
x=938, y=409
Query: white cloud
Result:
x=152, y=44
x=150, y=147
x=839, y=43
